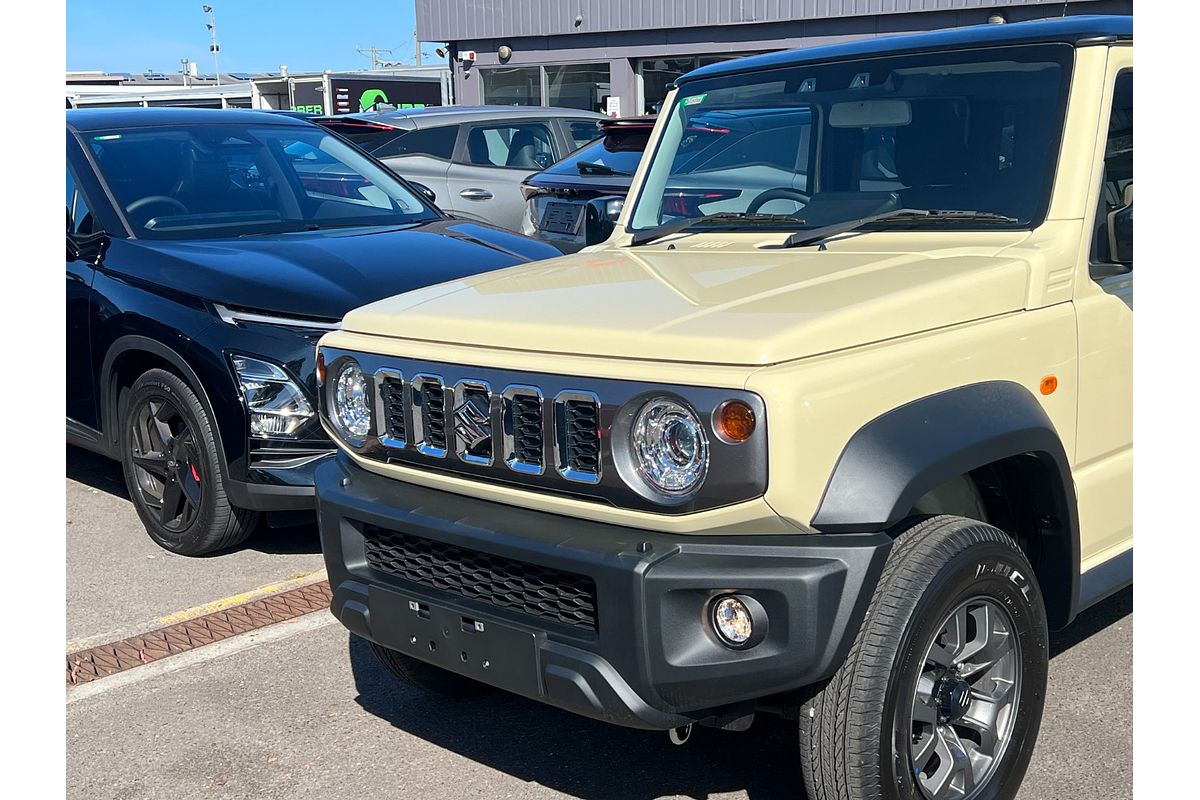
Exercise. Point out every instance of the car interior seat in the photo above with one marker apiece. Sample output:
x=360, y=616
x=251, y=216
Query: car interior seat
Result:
x=523, y=149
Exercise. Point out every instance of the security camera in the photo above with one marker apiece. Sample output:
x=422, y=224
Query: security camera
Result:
x=207, y=9
x=441, y=52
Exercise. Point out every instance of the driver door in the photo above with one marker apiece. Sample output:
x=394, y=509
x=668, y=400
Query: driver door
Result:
x=81, y=390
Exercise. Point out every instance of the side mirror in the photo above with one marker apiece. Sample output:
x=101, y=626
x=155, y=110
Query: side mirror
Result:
x=1120, y=230
x=425, y=191
x=89, y=248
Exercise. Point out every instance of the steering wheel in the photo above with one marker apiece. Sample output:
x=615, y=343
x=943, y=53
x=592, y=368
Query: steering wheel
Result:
x=142, y=202
x=780, y=193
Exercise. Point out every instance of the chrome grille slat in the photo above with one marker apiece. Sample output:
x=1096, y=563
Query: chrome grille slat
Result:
x=522, y=423
x=427, y=396
x=577, y=436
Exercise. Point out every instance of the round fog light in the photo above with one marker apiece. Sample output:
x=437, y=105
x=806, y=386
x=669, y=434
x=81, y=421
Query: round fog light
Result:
x=733, y=621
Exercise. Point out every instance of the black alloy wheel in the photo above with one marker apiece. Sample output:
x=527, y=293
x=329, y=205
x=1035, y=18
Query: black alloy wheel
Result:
x=173, y=470
x=166, y=463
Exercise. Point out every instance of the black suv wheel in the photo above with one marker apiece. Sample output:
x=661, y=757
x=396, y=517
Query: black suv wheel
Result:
x=169, y=457
x=941, y=695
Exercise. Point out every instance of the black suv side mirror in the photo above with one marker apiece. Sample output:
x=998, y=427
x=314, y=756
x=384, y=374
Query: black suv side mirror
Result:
x=1120, y=230
x=89, y=248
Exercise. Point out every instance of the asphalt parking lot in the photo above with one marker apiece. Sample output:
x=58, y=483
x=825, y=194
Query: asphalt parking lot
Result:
x=300, y=709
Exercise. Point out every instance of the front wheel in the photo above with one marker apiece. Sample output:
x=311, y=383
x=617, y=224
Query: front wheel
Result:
x=941, y=695
x=172, y=469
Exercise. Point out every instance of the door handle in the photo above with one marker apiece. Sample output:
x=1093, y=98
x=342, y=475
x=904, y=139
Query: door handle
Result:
x=475, y=194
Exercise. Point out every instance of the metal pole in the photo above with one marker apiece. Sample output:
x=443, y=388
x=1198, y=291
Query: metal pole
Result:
x=213, y=48
x=417, y=45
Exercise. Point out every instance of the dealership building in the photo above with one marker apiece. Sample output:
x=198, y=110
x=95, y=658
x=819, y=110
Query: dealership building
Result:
x=621, y=55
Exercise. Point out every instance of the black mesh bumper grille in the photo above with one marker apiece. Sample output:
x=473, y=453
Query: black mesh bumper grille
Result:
x=538, y=591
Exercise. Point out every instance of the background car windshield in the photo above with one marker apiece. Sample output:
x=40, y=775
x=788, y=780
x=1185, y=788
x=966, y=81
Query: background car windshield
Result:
x=226, y=180
x=826, y=143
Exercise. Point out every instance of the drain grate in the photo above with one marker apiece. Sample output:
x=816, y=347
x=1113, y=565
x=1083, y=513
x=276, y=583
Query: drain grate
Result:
x=103, y=660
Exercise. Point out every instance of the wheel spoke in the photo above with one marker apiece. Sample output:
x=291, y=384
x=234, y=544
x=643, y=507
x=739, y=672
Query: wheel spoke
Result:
x=954, y=634
x=924, y=706
x=172, y=499
x=160, y=425
x=156, y=465
x=981, y=719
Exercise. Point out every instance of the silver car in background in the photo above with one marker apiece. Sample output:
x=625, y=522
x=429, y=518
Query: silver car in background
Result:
x=474, y=158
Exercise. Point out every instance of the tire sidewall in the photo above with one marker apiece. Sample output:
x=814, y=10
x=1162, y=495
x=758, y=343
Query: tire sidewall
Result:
x=997, y=573
x=193, y=538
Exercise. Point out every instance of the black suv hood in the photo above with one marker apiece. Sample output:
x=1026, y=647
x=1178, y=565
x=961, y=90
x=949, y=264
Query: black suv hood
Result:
x=326, y=273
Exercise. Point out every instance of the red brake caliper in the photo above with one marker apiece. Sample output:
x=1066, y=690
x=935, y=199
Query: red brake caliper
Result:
x=195, y=473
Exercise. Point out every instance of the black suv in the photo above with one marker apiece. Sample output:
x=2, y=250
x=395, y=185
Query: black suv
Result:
x=207, y=251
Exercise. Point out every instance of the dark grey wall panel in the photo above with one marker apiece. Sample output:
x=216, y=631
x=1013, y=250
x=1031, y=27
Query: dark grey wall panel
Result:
x=457, y=20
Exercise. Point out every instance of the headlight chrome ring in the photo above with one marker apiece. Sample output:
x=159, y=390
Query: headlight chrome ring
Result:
x=669, y=447
x=351, y=402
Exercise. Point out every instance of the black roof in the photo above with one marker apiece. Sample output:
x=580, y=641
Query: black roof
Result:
x=102, y=119
x=1077, y=30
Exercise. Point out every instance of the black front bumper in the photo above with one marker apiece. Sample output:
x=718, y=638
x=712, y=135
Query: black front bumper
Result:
x=651, y=660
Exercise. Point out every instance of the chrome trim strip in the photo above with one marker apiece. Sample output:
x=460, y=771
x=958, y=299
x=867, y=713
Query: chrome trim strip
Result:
x=416, y=417
x=508, y=450
x=381, y=415
x=560, y=446
x=454, y=420
x=233, y=317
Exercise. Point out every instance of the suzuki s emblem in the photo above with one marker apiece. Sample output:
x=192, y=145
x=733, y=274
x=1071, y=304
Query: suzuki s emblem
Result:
x=473, y=425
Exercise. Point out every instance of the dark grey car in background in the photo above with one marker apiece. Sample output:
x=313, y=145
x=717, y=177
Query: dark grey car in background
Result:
x=474, y=158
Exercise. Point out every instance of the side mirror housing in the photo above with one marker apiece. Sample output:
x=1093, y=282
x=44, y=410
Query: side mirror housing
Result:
x=87, y=248
x=425, y=191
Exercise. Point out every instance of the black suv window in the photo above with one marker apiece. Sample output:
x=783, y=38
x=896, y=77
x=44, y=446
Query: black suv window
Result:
x=433, y=142
x=80, y=221
x=528, y=146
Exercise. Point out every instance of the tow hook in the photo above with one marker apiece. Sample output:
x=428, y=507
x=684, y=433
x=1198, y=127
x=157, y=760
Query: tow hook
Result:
x=680, y=735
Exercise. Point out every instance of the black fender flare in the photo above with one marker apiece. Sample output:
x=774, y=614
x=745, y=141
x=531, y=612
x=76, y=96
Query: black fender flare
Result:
x=109, y=390
x=893, y=460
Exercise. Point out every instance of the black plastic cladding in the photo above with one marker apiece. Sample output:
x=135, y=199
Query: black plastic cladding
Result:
x=736, y=473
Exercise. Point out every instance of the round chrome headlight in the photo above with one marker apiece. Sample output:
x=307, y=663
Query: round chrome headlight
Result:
x=670, y=447
x=351, y=402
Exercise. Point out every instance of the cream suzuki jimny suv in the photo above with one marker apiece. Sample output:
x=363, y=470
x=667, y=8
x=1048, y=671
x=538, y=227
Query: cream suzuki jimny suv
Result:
x=843, y=448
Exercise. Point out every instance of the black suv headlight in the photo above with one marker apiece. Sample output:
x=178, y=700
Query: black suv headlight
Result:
x=277, y=406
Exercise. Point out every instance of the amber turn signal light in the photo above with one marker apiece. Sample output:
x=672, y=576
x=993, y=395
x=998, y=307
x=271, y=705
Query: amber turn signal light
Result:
x=320, y=369
x=1049, y=384
x=734, y=421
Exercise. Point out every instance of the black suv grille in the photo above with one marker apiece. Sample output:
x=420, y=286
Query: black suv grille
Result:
x=539, y=591
x=392, y=392
x=527, y=429
x=433, y=415
x=581, y=432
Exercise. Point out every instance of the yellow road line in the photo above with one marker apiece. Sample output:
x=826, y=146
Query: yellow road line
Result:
x=297, y=580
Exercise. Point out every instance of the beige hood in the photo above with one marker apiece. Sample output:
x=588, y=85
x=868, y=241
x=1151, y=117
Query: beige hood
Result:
x=713, y=301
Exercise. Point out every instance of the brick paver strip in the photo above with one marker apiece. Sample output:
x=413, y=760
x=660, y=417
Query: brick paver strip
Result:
x=108, y=659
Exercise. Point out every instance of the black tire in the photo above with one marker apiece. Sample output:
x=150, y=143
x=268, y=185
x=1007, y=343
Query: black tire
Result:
x=856, y=730
x=169, y=457
x=426, y=676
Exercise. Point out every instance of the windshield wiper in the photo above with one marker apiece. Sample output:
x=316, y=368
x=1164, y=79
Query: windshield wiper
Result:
x=818, y=235
x=723, y=218
x=592, y=168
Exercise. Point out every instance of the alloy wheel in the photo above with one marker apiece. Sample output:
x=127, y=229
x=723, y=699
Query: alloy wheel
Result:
x=965, y=703
x=166, y=463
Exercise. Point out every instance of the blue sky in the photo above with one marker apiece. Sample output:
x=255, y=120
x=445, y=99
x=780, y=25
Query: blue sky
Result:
x=255, y=35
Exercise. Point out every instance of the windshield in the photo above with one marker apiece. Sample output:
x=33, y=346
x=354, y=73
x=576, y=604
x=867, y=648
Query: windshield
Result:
x=974, y=130
x=229, y=180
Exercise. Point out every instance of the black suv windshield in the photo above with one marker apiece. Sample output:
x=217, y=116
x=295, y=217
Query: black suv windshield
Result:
x=230, y=180
x=965, y=131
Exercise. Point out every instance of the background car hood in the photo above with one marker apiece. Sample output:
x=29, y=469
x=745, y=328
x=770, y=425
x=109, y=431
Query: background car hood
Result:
x=327, y=273
x=699, y=303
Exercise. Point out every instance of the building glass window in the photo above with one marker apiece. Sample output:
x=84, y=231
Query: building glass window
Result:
x=512, y=86
x=584, y=86
x=659, y=73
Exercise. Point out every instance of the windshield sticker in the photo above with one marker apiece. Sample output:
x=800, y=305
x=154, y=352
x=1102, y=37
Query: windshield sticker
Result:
x=695, y=99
